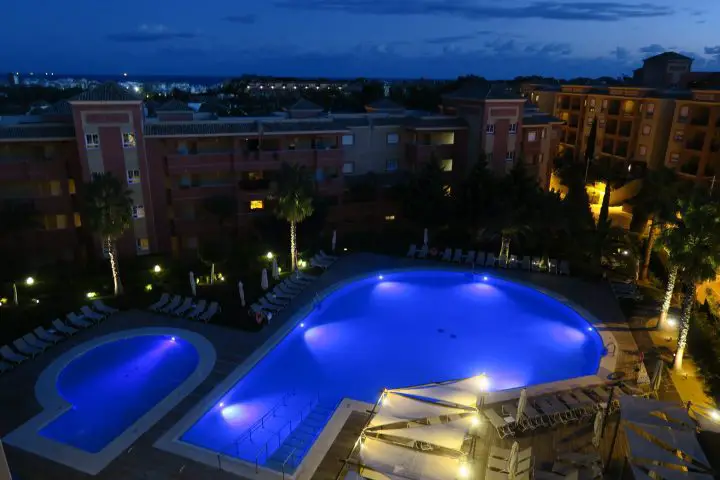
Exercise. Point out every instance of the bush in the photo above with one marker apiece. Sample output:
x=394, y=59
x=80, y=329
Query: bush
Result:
x=704, y=346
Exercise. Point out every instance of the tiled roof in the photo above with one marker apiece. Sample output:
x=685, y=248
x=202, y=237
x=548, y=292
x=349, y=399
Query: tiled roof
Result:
x=539, y=120
x=482, y=91
x=668, y=56
x=303, y=126
x=385, y=104
x=106, y=92
x=62, y=107
x=174, y=106
x=307, y=105
x=16, y=132
x=192, y=129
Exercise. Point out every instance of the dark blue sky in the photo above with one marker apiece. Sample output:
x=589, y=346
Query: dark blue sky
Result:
x=380, y=38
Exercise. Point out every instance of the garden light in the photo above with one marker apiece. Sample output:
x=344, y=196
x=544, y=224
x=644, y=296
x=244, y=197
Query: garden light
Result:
x=36, y=300
x=148, y=287
x=91, y=294
x=29, y=281
x=3, y=301
x=672, y=322
x=157, y=269
x=269, y=255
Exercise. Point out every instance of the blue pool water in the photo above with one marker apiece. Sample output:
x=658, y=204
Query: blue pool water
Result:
x=408, y=328
x=111, y=386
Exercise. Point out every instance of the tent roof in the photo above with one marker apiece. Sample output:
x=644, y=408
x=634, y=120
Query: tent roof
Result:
x=445, y=393
x=400, y=407
x=643, y=450
x=648, y=411
x=401, y=462
x=447, y=435
x=682, y=440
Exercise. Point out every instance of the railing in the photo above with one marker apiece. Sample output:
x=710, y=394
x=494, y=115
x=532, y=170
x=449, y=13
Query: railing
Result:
x=261, y=422
x=611, y=353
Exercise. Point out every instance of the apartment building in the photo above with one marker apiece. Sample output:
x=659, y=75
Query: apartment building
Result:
x=175, y=160
x=665, y=70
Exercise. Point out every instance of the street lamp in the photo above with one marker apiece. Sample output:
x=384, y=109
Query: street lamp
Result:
x=269, y=255
x=157, y=269
x=29, y=281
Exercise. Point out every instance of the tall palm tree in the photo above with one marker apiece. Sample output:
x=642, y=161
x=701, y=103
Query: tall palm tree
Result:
x=693, y=243
x=108, y=208
x=294, y=201
x=657, y=200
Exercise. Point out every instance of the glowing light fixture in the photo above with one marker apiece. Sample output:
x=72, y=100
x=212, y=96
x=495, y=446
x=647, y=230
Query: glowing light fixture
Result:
x=148, y=287
x=475, y=421
x=483, y=382
x=590, y=329
x=36, y=300
x=672, y=322
x=345, y=249
x=29, y=281
x=485, y=278
x=91, y=294
x=715, y=415
x=172, y=339
x=463, y=471
x=269, y=255
x=302, y=325
x=380, y=277
x=157, y=269
x=221, y=404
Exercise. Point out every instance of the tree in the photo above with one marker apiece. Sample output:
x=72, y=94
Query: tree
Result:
x=693, y=245
x=225, y=209
x=657, y=200
x=15, y=218
x=212, y=253
x=294, y=201
x=611, y=174
x=108, y=209
x=426, y=197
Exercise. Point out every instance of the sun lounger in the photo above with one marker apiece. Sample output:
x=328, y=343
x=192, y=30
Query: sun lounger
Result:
x=543, y=475
x=269, y=306
x=563, y=268
x=447, y=255
x=197, y=309
x=520, y=420
x=5, y=366
x=526, y=264
x=290, y=286
x=172, y=305
x=186, y=306
x=7, y=353
x=457, y=258
x=325, y=256
x=422, y=253
x=35, y=342
x=553, y=266
x=211, y=311
x=317, y=263
x=62, y=328
x=537, y=265
x=78, y=321
x=504, y=453
x=22, y=347
x=100, y=306
x=164, y=299
x=412, y=251
x=46, y=336
x=256, y=308
x=551, y=410
x=480, y=259
x=87, y=313
x=589, y=404
x=305, y=276
x=574, y=405
x=272, y=298
x=501, y=426
x=470, y=257
x=513, y=262
x=277, y=292
x=490, y=260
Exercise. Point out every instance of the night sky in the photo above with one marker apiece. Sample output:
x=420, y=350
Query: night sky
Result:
x=372, y=38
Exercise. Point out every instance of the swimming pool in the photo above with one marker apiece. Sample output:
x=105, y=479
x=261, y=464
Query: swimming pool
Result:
x=394, y=330
x=100, y=396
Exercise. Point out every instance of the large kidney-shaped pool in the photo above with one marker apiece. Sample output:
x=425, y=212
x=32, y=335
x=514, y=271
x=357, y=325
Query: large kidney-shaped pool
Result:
x=400, y=329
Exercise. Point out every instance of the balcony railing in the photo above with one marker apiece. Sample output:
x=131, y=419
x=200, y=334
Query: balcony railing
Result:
x=700, y=121
x=199, y=162
x=694, y=145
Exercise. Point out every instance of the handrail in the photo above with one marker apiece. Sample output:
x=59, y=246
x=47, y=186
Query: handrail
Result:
x=260, y=423
x=607, y=348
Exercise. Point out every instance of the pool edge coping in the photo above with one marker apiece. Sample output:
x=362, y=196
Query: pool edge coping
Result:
x=27, y=437
x=170, y=441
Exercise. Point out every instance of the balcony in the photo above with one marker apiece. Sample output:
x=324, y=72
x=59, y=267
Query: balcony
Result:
x=683, y=119
x=195, y=226
x=199, y=162
x=696, y=145
x=625, y=131
x=331, y=186
x=420, y=153
x=200, y=192
x=332, y=157
x=700, y=121
x=53, y=205
x=21, y=169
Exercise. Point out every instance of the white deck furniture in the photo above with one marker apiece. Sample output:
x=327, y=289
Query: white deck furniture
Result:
x=7, y=353
x=62, y=328
x=164, y=299
x=46, y=336
x=100, y=306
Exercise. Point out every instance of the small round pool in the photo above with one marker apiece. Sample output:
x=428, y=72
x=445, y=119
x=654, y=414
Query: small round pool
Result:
x=114, y=384
x=401, y=329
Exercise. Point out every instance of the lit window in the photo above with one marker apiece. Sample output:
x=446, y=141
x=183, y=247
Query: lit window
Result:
x=61, y=221
x=348, y=168
x=92, y=140
x=592, y=101
x=142, y=244
x=77, y=220
x=389, y=218
x=540, y=158
x=348, y=140
x=509, y=156
x=590, y=121
x=532, y=136
x=128, y=140
x=490, y=129
x=446, y=165
x=513, y=128
x=393, y=138
x=138, y=211
x=55, y=188
x=604, y=103
x=642, y=150
x=650, y=109
x=133, y=177
x=674, y=157
x=646, y=129
x=684, y=111
x=71, y=186
x=257, y=204
x=391, y=165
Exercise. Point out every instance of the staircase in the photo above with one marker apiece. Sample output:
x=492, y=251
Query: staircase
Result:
x=295, y=446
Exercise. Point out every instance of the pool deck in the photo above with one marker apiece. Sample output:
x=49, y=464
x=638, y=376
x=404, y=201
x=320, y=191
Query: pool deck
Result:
x=233, y=347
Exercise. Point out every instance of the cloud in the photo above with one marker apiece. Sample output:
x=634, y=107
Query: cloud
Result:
x=481, y=10
x=148, y=33
x=457, y=38
x=550, y=49
x=620, y=53
x=247, y=19
x=712, y=50
x=653, y=49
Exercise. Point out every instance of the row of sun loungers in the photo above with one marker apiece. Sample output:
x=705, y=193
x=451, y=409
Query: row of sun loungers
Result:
x=551, y=410
x=185, y=307
x=490, y=260
x=322, y=260
x=282, y=294
x=498, y=465
x=625, y=290
x=33, y=344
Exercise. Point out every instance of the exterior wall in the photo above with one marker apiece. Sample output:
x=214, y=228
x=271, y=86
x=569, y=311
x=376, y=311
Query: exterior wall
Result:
x=694, y=145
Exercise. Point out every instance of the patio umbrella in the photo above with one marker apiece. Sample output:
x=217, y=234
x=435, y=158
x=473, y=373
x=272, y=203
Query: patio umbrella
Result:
x=241, y=291
x=657, y=376
x=522, y=401
x=275, y=271
x=193, y=285
x=425, y=237
x=264, y=279
x=334, y=240
x=597, y=428
x=513, y=459
x=4, y=467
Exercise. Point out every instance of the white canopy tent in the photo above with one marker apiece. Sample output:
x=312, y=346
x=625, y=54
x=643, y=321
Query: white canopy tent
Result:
x=396, y=462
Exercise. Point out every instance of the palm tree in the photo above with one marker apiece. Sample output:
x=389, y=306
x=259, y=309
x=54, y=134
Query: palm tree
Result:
x=693, y=243
x=657, y=200
x=108, y=208
x=294, y=201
